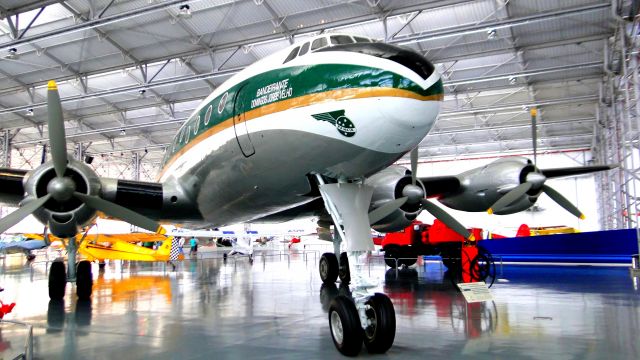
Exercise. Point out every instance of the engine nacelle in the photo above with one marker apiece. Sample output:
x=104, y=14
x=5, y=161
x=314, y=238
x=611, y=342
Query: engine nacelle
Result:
x=388, y=185
x=64, y=218
x=480, y=188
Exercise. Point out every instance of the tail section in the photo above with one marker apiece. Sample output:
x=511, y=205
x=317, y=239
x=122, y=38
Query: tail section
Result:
x=171, y=249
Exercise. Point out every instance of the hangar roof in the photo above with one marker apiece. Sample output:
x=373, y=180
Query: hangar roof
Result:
x=130, y=72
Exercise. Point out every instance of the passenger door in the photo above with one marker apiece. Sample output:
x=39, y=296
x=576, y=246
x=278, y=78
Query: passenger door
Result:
x=239, y=124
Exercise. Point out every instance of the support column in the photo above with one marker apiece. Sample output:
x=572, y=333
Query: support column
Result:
x=5, y=149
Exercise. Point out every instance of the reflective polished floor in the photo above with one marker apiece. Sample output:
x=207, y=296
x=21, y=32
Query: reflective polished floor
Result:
x=276, y=309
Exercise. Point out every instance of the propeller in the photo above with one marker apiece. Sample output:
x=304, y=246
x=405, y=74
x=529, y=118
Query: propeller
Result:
x=63, y=189
x=386, y=209
x=415, y=194
x=534, y=180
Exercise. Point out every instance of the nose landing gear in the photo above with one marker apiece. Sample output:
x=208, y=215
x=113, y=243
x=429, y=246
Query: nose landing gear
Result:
x=81, y=275
x=364, y=317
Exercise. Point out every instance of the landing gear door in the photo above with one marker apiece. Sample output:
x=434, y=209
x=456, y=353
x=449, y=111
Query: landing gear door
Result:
x=240, y=106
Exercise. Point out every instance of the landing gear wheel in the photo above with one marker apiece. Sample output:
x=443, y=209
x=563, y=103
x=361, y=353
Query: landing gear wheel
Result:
x=483, y=268
x=57, y=280
x=343, y=273
x=379, y=335
x=328, y=268
x=84, y=280
x=344, y=323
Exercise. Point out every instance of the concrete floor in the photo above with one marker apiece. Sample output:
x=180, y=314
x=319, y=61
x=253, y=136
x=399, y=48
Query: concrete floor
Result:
x=275, y=309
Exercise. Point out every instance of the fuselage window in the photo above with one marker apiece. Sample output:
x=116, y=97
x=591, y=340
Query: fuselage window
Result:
x=186, y=138
x=292, y=55
x=318, y=43
x=304, y=49
x=207, y=116
x=196, y=126
x=341, y=39
x=181, y=136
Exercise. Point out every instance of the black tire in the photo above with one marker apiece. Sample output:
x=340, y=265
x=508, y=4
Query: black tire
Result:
x=344, y=324
x=84, y=280
x=392, y=252
x=483, y=267
x=378, y=338
x=328, y=268
x=328, y=292
x=344, y=273
x=57, y=280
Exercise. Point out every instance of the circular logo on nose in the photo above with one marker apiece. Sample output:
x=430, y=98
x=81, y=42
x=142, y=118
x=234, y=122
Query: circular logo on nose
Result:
x=345, y=126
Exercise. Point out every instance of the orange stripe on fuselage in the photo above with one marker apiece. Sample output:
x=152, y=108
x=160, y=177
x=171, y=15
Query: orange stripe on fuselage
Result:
x=301, y=101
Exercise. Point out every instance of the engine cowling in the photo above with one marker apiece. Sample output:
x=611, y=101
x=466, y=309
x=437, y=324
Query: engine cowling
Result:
x=388, y=185
x=480, y=188
x=64, y=217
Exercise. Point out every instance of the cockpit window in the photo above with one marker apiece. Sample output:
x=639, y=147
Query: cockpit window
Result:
x=341, y=40
x=292, y=55
x=360, y=39
x=318, y=43
x=304, y=49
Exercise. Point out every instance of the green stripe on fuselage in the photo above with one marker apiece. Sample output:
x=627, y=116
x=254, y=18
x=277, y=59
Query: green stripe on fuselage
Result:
x=287, y=83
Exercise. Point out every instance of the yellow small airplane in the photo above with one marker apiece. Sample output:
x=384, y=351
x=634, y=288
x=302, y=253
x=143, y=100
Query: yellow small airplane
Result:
x=120, y=247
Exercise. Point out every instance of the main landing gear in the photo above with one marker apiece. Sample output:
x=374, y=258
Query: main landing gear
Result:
x=80, y=274
x=363, y=317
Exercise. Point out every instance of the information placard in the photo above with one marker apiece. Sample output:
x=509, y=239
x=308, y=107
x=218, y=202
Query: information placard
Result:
x=475, y=292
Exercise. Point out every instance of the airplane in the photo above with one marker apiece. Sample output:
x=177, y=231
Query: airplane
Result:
x=119, y=246
x=310, y=130
x=21, y=244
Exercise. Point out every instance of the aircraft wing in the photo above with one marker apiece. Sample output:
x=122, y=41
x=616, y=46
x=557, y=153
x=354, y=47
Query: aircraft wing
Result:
x=21, y=246
x=573, y=171
x=147, y=198
x=11, y=190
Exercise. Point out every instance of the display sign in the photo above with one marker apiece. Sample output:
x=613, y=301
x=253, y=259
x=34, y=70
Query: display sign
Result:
x=475, y=292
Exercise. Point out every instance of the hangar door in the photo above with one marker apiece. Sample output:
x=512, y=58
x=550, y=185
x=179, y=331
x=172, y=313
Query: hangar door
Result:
x=239, y=123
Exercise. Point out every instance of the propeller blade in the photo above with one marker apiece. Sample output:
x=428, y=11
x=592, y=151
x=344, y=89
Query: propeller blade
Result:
x=57, y=140
x=562, y=201
x=534, y=134
x=510, y=197
x=414, y=165
x=22, y=212
x=120, y=212
x=386, y=209
x=447, y=219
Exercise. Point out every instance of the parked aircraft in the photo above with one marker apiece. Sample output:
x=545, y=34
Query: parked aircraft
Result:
x=20, y=244
x=300, y=132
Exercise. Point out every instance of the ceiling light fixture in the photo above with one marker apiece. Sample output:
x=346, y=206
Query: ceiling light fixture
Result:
x=12, y=55
x=492, y=34
x=184, y=11
x=29, y=112
x=123, y=132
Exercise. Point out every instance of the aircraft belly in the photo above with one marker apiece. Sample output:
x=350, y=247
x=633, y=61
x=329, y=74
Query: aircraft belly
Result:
x=271, y=182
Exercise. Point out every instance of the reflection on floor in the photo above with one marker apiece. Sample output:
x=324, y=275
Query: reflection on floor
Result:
x=276, y=309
